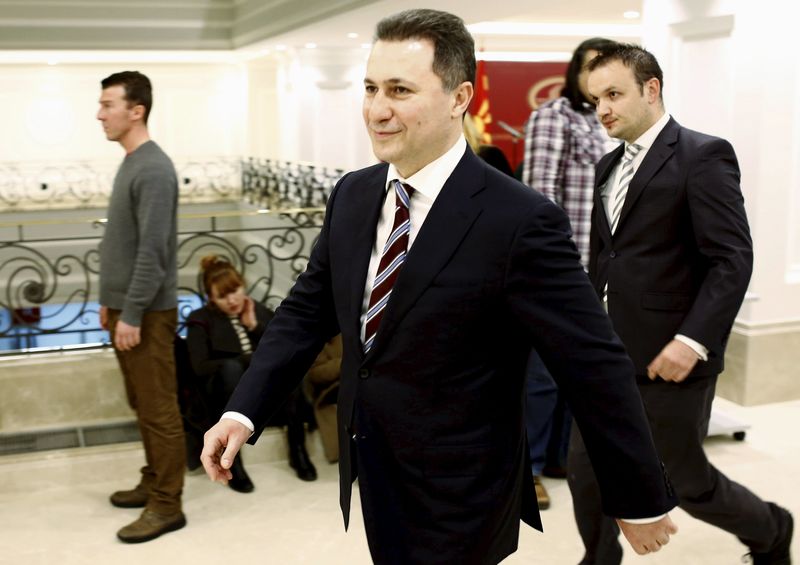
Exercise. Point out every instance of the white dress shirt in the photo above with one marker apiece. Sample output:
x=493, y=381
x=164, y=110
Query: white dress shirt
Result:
x=427, y=183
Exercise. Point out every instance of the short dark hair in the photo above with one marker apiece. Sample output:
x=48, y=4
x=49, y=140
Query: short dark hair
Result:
x=572, y=90
x=138, y=89
x=453, y=46
x=638, y=59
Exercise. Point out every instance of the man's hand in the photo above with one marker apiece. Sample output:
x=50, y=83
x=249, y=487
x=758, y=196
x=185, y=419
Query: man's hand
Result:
x=647, y=538
x=220, y=445
x=126, y=337
x=674, y=363
x=248, y=315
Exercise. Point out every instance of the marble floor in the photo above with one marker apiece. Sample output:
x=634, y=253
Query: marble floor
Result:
x=54, y=509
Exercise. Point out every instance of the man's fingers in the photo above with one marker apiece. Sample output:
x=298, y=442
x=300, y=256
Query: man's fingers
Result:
x=230, y=453
x=210, y=456
x=220, y=446
x=652, y=370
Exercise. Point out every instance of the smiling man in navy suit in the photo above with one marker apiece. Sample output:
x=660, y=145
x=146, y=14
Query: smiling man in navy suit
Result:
x=441, y=273
x=671, y=255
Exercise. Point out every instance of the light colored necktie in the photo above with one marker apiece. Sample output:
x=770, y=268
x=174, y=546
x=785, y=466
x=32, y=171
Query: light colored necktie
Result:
x=625, y=175
x=392, y=258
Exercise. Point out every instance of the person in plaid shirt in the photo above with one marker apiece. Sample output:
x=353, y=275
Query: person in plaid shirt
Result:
x=563, y=141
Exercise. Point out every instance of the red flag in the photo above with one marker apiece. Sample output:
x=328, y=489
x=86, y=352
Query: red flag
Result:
x=482, y=117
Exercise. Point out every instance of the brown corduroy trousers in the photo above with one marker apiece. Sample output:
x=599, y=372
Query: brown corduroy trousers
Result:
x=151, y=386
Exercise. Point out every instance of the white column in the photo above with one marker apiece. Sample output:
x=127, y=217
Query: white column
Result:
x=319, y=96
x=729, y=70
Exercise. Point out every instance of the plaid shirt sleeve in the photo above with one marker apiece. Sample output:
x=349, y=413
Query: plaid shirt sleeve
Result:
x=545, y=140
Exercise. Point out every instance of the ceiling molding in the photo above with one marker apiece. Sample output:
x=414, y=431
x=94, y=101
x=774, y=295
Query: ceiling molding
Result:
x=168, y=25
x=257, y=20
x=156, y=24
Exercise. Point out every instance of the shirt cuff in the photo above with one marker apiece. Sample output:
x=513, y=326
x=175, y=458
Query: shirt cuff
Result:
x=698, y=348
x=642, y=520
x=241, y=418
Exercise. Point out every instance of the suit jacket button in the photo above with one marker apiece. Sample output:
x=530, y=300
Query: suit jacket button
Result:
x=613, y=254
x=363, y=373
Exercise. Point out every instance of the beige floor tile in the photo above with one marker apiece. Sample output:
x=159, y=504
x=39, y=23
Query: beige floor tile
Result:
x=67, y=520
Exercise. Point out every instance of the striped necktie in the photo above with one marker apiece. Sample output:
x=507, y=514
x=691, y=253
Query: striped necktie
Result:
x=625, y=175
x=392, y=258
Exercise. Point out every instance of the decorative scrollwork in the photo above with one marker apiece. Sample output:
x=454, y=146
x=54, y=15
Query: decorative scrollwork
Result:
x=270, y=251
x=45, y=290
x=32, y=280
x=35, y=186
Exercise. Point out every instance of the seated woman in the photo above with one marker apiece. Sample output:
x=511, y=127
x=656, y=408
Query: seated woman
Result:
x=221, y=337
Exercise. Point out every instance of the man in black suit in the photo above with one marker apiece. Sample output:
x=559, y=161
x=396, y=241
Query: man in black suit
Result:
x=671, y=255
x=431, y=403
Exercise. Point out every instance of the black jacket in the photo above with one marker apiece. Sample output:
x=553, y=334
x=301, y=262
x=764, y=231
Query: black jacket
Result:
x=680, y=259
x=211, y=338
x=437, y=405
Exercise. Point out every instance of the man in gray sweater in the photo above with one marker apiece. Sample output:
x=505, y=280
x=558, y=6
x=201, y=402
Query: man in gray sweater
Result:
x=138, y=301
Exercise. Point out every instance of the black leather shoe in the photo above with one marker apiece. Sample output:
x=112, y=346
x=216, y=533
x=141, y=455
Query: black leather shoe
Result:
x=780, y=553
x=241, y=480
x=300, y=462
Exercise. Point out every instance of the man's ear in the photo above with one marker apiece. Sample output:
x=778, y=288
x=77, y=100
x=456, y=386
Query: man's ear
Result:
x=462, y=96
x=653, y=89
x=137, y=112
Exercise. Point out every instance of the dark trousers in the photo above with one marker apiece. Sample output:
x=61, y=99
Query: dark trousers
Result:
x=223, y=383
x=151, y=387
x=547, y=418
x=678, y=414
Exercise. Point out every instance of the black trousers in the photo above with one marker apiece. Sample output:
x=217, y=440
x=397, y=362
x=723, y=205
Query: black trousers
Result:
x=678, y=414
x=292, y=414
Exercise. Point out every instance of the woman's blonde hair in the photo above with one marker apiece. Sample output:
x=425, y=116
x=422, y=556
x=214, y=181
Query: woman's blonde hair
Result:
x=471, y=133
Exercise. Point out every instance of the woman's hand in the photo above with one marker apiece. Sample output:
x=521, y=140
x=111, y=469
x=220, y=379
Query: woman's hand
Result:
x=248, y=315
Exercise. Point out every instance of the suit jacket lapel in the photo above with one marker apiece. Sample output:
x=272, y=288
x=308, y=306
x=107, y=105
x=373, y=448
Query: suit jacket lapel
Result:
x=657, y=155
x=364, y=217
x=603, y=172
x=448, y=221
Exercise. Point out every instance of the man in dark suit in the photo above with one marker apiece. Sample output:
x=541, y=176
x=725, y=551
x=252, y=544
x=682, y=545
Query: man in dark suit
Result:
x=671, y=255
x=440, y=272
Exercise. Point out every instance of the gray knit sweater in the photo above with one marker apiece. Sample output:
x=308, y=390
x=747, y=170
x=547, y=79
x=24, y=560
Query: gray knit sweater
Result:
x=138, y=265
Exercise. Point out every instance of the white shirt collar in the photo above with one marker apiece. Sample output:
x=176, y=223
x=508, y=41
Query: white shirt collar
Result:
x=647, y=138
x=430, y=179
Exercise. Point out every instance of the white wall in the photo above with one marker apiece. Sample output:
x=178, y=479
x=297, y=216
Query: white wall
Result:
x=47, y=113
x=319, y=98
x=725, y=74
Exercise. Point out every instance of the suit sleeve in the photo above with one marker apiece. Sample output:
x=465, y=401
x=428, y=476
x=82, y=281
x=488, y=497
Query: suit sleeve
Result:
x=550, y=297
x=722, y=236
x=303, y=322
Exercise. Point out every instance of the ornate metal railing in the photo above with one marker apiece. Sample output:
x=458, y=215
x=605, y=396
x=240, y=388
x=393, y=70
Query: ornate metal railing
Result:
x=47, y=290
x=83, y=184
x=49, y=267
x=274, y=184
x=264, y=182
